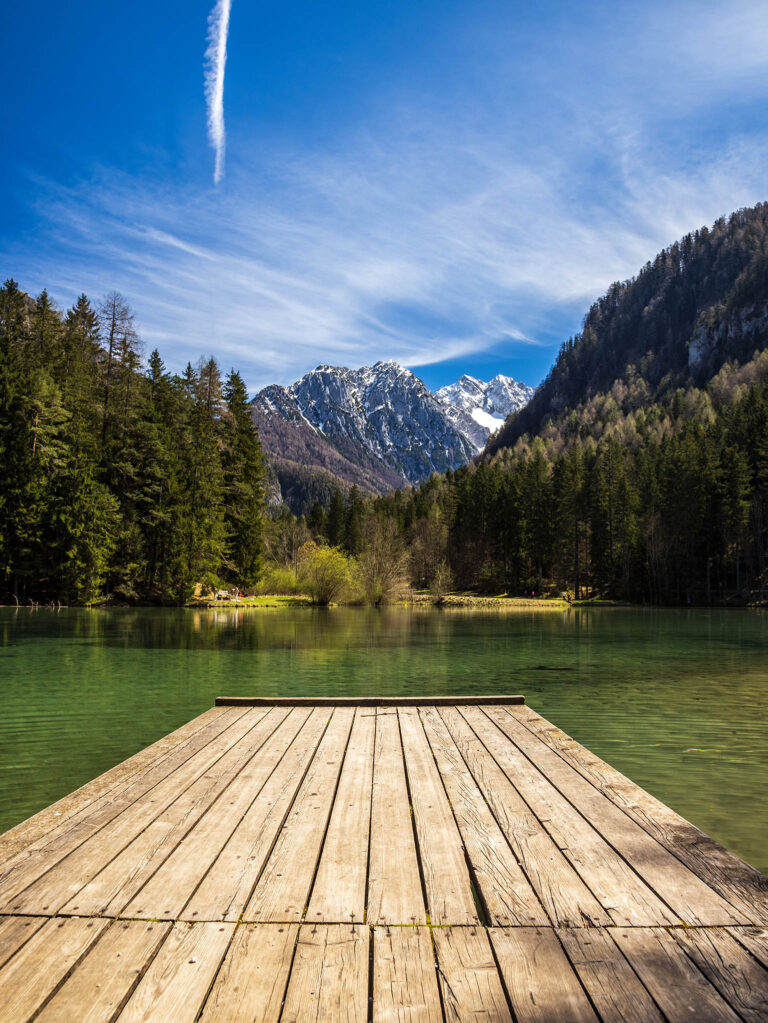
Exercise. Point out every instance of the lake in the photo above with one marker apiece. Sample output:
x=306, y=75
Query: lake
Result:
x=676, y=699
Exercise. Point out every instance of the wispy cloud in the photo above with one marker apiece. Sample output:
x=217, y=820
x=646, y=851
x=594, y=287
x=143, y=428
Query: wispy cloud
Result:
x=435, y=230
x=215, y=65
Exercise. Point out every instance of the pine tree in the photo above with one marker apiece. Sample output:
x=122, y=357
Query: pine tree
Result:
x=243, y=485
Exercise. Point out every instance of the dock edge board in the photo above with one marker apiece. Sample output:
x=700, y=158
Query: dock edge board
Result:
x=368, y=701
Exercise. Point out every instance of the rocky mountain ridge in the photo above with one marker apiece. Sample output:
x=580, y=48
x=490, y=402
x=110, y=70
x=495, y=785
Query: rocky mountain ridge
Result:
x=376, y=427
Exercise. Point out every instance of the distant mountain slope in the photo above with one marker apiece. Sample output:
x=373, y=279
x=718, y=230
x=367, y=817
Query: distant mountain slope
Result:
x=701, y=303
x=376, y=427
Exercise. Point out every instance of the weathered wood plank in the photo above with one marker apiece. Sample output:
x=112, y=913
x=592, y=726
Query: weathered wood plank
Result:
x=619, y=889
x=110, y=890
x=505, y=890
x=366, y=701
x=38, y=968
x=755, y=940
x=443, y=863
x=283, y=889
x=469, y=979
x=540, y=981
x=49, y=893
x=180, y=976
x=106, y=978
x=681, y=991
x=394, y=884
x=561, y=891
x=690, y=898
x=745, y=888
x=338, y=893
x=34, y=860
x=59, y=814
x=15, y=931
x=166, y=894
x=329, y=978
x=739, y=978
x=251, y=983
x=404, y=979
x=612, y=984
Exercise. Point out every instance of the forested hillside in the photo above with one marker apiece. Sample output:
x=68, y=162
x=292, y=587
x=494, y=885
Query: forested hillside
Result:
x=701, y=302
x=119, y=479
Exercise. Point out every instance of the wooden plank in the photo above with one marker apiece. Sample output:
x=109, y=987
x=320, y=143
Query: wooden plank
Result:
x=394, y=883
x=680, y=990
x=690, y=898
x=468, y=976
x=15, y=931
x=251, y=983
x=404, y=980
x=610, y=981
x=739, y=978
x=227, y=886
x=561, y=891
x=282, y=891
x=115, y=885
x=74, y=803
x=367, y=701
x=745, y=888
x=38, y=857
x=180, y=976
x=57, y=886
x=338, y=893
x=38, y=968
x=755, y=940
x=106, y=978
x=507, y=895
x=618, y=888
x=443, y=863
x=540, y=981
x=168, y=891
x=329, y=978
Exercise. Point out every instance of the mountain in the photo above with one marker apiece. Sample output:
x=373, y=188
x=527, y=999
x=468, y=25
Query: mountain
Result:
x=701, y=303
x=377, y=428
x=488, y=404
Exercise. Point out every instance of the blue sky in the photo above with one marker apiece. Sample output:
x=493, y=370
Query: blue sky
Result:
x=448, y=184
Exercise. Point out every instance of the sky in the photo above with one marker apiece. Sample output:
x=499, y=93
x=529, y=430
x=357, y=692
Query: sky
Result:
x=447, y=183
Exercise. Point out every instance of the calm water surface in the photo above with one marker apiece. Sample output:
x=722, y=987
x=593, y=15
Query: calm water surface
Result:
x=677, y=700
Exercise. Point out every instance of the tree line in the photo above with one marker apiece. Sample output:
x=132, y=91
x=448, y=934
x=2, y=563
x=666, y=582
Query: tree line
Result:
x=120, y=480
x=662, y=503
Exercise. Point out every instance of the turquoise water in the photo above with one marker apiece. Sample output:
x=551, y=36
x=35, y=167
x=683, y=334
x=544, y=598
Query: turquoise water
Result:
x=676, y=699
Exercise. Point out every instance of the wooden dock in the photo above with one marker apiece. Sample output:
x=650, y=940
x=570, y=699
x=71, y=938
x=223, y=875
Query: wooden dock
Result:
x=360, y=860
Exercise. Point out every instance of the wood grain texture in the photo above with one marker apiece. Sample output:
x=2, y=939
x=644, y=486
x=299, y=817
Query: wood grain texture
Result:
x=105, y=979
x=177, y=981
x=559, y=888
x=251, y=983
x=507, y=895
x=170, y=888
x=745, y=888
x=394, y=884
x=405, y=986
x=41, y=855
x=283, y=889
x=329, y=979
x=737, y=975
x=679, y=988
x=540, y=981
x=338, y=893
x=469, y=980
x=15, y=931
x=443, y=863
x=610, y=981
x=30, y=977
x=688, y=896
x=619, y=889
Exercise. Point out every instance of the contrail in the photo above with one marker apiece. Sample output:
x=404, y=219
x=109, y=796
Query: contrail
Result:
x=215, y=62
